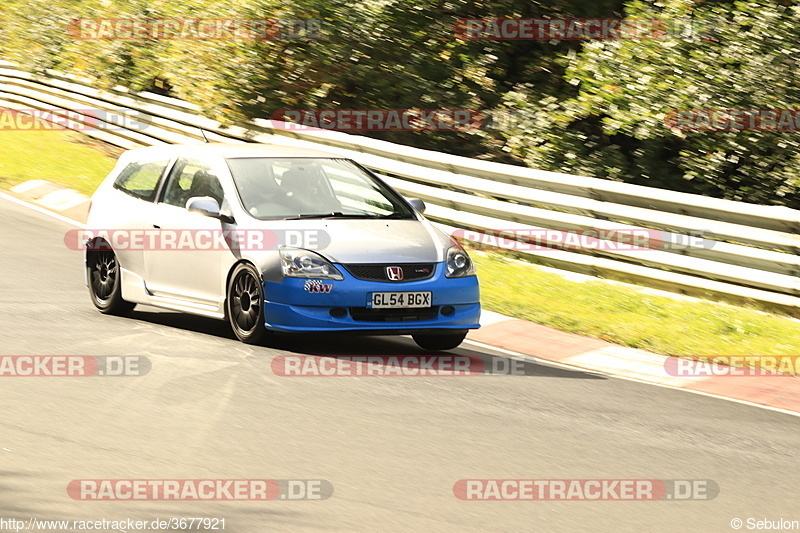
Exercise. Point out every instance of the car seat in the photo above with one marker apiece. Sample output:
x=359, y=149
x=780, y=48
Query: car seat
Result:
x=206, y=184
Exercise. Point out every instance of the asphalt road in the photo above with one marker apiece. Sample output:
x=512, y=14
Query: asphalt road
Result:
x=212, y=408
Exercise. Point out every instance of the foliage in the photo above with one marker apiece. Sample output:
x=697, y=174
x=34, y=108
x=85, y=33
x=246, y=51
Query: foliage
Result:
x=617, y=126
x=594, y=108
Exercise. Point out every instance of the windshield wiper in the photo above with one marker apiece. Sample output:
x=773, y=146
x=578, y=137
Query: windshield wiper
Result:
x=339, y=214
x=370, y=216
x=315, y=215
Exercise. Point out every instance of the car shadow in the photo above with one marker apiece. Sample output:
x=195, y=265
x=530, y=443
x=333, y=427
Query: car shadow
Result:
x=183, y=321
x=344, y=346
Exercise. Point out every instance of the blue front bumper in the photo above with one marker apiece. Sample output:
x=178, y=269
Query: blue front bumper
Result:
x=291, y=306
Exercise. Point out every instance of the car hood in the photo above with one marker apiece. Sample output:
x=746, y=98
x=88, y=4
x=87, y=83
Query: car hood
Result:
x=369, y=241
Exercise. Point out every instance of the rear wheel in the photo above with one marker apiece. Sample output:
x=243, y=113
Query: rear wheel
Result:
x=246, y=305
x=105, y=285
x=440, y=342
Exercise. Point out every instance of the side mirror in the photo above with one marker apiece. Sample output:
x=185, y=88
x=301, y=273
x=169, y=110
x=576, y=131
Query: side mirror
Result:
x=207, y=206
x=417, y=204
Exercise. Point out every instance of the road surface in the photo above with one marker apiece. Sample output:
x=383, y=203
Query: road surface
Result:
x=392, y=447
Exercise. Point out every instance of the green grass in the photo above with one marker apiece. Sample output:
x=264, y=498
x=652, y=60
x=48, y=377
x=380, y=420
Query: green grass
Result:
x=621, y=314
x=614, y=312
x=61, y=157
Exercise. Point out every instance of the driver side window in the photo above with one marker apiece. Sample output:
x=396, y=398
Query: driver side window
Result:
x=190, y=178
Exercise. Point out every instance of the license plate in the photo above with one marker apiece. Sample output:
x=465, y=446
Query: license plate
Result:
x=384, y=300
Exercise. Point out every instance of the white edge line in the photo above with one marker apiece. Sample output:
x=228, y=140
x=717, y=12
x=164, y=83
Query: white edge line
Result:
x=42, y=210
x=627, y=378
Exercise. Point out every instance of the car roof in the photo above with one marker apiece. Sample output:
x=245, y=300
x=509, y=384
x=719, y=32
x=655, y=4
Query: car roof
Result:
x=230, y=151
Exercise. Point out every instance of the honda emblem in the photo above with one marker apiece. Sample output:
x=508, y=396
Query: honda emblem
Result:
x=394, y=273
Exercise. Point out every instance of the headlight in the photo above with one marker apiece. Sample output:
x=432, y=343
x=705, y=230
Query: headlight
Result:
x=299, y=263
x=459, y=264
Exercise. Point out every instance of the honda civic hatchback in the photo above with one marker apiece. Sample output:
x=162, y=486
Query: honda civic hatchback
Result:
x=275, y=239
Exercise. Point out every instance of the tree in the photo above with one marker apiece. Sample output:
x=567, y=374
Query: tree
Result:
x=618, y=126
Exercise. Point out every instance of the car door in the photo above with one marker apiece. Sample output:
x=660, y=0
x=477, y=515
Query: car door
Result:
x=188, y=263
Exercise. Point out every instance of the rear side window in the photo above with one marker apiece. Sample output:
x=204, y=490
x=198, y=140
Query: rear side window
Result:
x=141, y=179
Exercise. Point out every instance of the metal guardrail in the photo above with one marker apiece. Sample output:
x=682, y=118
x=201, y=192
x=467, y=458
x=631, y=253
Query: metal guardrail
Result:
x=746, y=253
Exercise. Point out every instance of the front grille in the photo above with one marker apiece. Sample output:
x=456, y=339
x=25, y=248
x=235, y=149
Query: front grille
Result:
x=411, y=272
x=364, y=314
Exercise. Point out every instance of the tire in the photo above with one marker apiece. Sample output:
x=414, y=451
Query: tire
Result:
x=105, y=286
x=245, y=305
x=439, y=342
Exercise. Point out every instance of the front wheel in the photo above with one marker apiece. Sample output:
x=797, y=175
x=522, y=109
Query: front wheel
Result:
x=105, y=285
x=246, y=305
x=439, y=342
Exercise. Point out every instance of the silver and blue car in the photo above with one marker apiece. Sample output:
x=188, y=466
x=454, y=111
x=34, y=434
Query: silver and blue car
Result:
x=275, y=239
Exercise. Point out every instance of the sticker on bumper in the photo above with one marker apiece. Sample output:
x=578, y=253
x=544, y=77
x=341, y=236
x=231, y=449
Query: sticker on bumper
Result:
x=316, y=286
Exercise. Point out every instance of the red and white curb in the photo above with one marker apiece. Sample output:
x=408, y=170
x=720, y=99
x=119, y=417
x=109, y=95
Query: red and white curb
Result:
x=530, y=340
x=53, y=197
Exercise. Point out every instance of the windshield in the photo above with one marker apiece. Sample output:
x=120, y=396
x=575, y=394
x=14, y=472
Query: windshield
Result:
x=287, y=188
